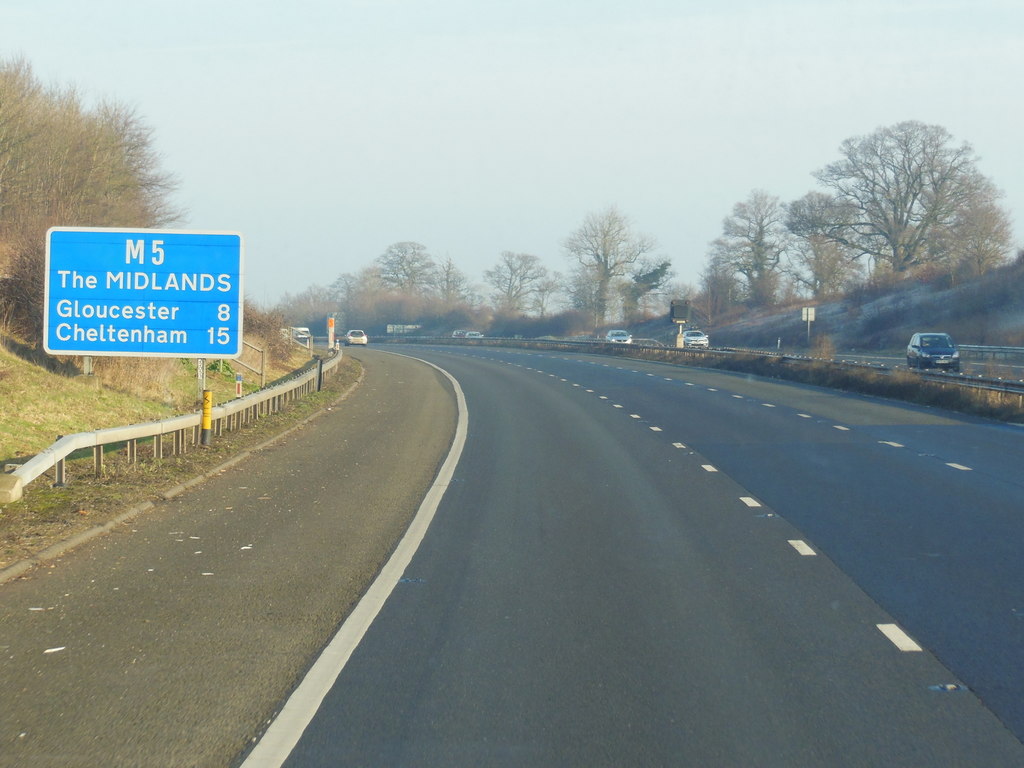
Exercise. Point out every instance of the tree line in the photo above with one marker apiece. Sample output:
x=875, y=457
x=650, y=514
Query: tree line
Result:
x=613, y=276
x=906, y=201
x=65, y=164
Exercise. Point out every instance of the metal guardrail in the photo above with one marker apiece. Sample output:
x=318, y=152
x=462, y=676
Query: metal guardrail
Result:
x=181, y=431
x=996, y=385
x=994, y=351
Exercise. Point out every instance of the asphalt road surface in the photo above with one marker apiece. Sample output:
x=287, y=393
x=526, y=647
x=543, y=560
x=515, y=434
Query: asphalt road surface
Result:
x=174, y=639
x=633, y=564
x=637, y=564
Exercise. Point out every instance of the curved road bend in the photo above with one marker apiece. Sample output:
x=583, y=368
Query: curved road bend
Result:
x=172, y=640
x=644, y=565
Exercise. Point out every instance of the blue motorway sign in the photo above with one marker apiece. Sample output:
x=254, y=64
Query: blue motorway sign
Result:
x=143, y=293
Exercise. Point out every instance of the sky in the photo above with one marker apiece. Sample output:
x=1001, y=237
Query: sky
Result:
x=325, y=130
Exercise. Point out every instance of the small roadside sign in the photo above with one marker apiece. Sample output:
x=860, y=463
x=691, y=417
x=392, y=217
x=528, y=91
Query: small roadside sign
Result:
x=143, y=293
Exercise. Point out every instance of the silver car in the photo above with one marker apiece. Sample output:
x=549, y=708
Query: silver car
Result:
x=619, y=337
x=695, y=339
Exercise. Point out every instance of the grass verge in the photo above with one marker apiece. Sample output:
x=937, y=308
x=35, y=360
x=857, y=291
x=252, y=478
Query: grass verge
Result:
x=47, y=515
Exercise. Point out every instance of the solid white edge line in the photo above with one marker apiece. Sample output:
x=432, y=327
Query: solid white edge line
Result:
x=898, y=637
x=284, y=733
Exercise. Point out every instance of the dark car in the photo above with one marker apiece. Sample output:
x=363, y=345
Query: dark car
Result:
x=933, y=350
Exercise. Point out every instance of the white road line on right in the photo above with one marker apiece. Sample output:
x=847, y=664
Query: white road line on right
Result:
x=889, y=442
x=840, y=427
x=898, y=637
x=961, y=467
x=802, y=547
x=708, y=468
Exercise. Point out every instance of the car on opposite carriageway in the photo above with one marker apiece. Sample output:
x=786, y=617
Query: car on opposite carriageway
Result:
x=933, y=350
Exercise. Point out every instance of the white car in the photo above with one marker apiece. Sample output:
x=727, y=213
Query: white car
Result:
x=619, y=337
x=695, y=339
x=356, y=337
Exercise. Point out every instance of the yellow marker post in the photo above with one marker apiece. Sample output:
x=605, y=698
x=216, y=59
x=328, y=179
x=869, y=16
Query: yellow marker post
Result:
x=205, y=436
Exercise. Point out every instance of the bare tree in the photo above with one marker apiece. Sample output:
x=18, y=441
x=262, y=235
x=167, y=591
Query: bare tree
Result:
x=606, y=247
x=546, y=289
x=719, y=288
x=63, y=164
x=753, y=241
x=309, y=308
x=452, y=285
x=905, y=184
x=818, y=259
x=407, y=267
x=514, y=279
x=977, y=240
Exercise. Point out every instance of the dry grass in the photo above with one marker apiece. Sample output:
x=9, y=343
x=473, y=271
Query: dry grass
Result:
x=46, y=515
x=39, y=405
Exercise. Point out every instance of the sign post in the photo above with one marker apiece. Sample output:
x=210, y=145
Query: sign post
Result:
x=679, y=310
x=808, y=315
x=143, y=293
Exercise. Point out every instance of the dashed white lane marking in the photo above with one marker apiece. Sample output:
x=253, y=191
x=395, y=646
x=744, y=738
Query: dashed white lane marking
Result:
x=961, y=467
x=750, y=502
x=898, y=637
x=589, y=390
x=634, y=415
x=840, y=427
x=802, y=548
x=689, y=384
x=616, y=406
x=738, y=397
x=678, y=445
x=603, y=397
x=767, y=405
x=804, y=415
x=655, y=429
x=712, y=389
x=708, y=468
x=889, y=442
